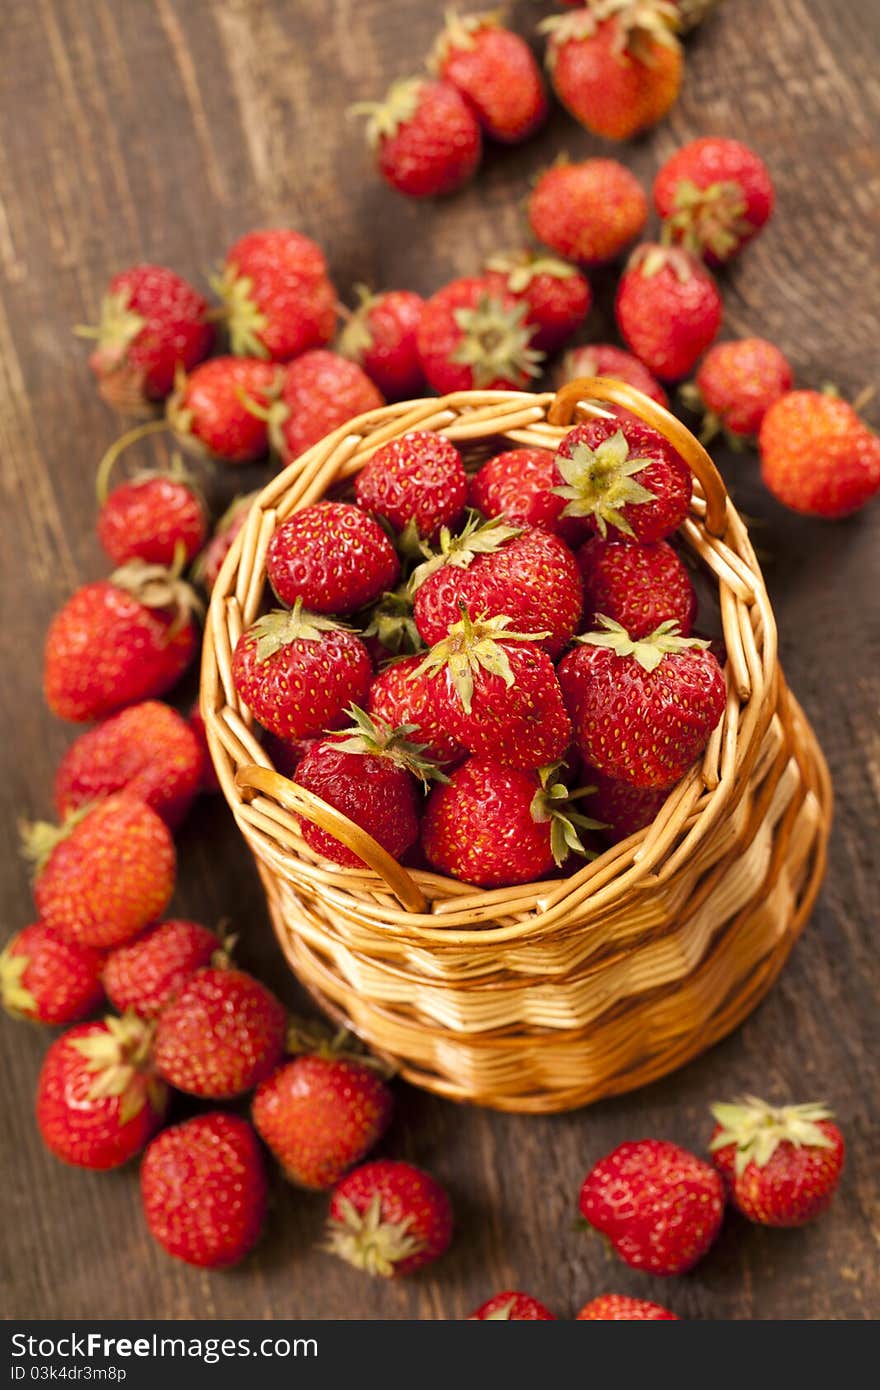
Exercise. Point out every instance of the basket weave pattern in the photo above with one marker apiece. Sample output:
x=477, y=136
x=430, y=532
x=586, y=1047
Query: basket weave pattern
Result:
x=546, y=996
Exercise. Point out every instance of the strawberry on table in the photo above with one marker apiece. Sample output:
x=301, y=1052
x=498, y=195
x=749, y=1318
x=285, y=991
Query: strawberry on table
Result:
x=735, y=385
x=660, y=1206
x=817, y=456
x=589, y=212
x=604, y=359
x=668, y=309
x=148, y=751
x=389, y=1219
x=222, y=1034
x=415, y=481
x=782, y=1163
x=381, y=337
x=278, y=297
x=623, y=477
x=298, y=671
x=155, y=516
x=518, y=487
x=99, y=1099
x=475, y=335
x=104, y=874
x=639, y=586
x=319, y=392
x=47, y=979
x=218, y=411
x=144, y=974
x=396, y=699
x=425, y=136
x=512, y=1306
x=618, y=1307
x=333, y=557
x=204, y=1190
x=495, y=71
x=713, y=196
x=557, y=296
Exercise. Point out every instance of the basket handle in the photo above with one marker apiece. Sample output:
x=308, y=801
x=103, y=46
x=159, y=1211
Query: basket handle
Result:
x=563, y=411
x=303, y=803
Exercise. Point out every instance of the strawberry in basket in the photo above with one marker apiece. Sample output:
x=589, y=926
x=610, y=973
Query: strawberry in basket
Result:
x=519, y=486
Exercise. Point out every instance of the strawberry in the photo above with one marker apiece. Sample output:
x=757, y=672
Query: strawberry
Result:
x=817, y=455
x=639, y=586
x=496, y=826
x=531, y=577
x=735, y=386
x=475, y=335
x=425, y=137
x=417, y=480
x=782, y=1164
x=322, y=1112
x=209, y=563
x=389, y=1219
x=390, y=630
x=496, y=73
x=618, y=1307
x=660, y=1206
x=616, y=66
x=222, y=1033
x=104, y=874
x=153, y=323
x=517, y=486
x=623, y=476
x=642, y=709
x=604, y=359
x=297, y=671
x=218, y=410
x=397, y=699
x=589, y=212
x=277, y=295
x=98, y=1097
x=333, y=557
x=668, y=309
x=204, y=1190
x=380, y=336
x=155, y=517
x=512, y=1306
x=143, y=975
x=620, y=808
x=319, y=392
x=118, y=641
x=369, y=775
x=556, y=295
x=47, y=979
x=148, y=751
x=496, y=692
x=713, y=196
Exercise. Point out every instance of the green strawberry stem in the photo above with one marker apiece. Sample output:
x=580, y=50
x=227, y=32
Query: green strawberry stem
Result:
x=757, y=1129
x=553, y=803
x=244, y=319
x=600, y=482
x=495, y=341
x=470, y=647
x=108, y=461
x=285, y=625
x=39, y=838
x=306, y=1036
x=377, y=738
x=648, y=651
x=477, y=537
x=367, y=1242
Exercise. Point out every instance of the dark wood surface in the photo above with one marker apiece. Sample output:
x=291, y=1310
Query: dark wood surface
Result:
x=162, y=130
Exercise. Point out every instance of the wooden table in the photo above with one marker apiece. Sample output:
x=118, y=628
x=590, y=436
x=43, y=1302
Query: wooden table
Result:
x=162, y=131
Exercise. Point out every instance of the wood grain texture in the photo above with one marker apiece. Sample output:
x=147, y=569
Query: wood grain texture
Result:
x=162, y=129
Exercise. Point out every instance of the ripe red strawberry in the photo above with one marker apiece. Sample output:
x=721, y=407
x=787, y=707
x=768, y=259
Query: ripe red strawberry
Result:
x=209, y=563
x=618, y=1307
x=155, y=517
x=495, y=71
x=333, y=557
x=620, y=808
x=604, y=359
x=319, y=392
x=322, y=1112
x=123, y=639
x=222, y=1033
x=299, y=671
x=713, y=195
x=204, y=1190
x=735, y=386
x=556, y=295
x=104, y=874
x=496, y=692
x=99, y=1099
x=389, y=1219
x=380, y=336
x=531, y=578
x=47, y=979
x=517, y=486
x=495, y=826
x=616, y=66
x=817, y=455
x=639, y=586
x=218, y=410
x=397, y=699
x=589, y=212
x=148, y=751
x=642, y=709
x=668, y=309
x=417, y=480
x=425, y=136
x=278, y=297
x=144, y=975
x=370, y=776
x=782, y=1164
x=152, y=324
x=623, y=476
x=660, y=1206
x=512, y=1306
x=475, y=335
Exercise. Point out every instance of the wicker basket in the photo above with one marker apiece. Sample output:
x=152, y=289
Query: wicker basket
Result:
x=548, y=996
